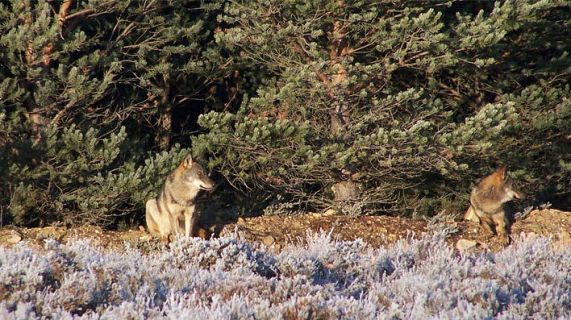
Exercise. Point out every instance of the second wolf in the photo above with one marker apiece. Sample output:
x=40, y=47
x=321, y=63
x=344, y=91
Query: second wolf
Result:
x=487, y=199
x=175, y=203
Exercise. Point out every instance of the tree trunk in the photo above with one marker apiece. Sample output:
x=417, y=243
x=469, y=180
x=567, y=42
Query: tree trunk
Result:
x=165, y=128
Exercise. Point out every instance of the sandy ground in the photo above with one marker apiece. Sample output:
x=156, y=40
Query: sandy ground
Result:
x=278, y=231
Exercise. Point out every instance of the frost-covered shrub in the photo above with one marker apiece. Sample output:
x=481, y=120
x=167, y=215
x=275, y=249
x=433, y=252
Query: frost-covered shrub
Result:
x=222, y=254
x=23, y=273
x=228, y=278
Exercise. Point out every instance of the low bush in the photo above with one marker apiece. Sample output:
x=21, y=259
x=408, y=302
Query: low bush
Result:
x=228, y=278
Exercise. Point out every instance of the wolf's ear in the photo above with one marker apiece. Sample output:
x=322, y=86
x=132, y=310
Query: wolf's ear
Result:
x=502, y=172
x=187, y=162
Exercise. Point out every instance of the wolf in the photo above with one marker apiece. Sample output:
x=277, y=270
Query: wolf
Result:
x=486, y=202
x=175, y=203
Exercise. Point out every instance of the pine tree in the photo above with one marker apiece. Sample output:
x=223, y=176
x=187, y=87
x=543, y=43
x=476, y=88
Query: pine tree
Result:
x=406, y=102
x=410, y=99
x=88, y=90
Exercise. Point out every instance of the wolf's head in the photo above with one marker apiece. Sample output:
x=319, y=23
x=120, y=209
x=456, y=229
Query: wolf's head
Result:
x=195, y=175
x=504, y=185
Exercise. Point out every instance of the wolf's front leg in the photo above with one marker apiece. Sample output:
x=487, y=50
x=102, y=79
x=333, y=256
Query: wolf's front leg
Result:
x=470, y=215
x=189, y=221
x=501, y=221
x=152, y=218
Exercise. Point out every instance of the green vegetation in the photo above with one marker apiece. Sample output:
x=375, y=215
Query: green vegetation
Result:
x=410, y=100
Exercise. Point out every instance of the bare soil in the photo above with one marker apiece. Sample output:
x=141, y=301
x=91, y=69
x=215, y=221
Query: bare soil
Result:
x=278, y=231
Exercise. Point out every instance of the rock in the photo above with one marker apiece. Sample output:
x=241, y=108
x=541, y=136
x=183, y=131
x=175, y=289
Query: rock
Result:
x=14, y=238
x=268, y=240
x=464, y=245
x=329, y=213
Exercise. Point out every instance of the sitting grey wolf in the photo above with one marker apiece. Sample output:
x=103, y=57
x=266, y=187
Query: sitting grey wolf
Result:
x=486, y=202
x=176, y=201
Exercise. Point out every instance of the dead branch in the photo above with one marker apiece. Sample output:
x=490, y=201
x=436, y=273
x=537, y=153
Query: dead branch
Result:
x=63, y=11
x=81, y=13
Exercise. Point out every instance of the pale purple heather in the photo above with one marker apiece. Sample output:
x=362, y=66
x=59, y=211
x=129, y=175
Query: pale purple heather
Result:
x=326, y=279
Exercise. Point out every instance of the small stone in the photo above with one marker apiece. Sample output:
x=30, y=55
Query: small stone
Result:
x=14, y=238
x=329, y=213
x=464, y=245
x=268, y=240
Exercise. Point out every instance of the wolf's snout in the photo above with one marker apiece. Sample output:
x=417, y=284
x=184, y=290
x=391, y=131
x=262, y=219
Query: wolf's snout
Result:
x=519, y=195
x=207, y=186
